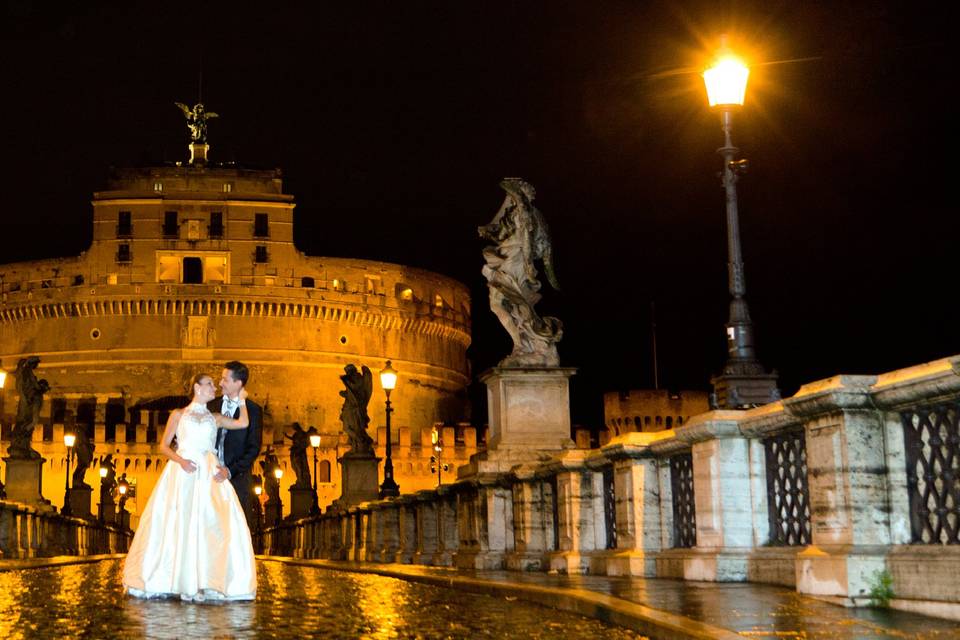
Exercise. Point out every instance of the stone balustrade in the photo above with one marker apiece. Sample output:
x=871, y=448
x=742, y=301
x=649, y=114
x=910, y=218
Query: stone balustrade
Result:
x=26, y=532
x=824, y=491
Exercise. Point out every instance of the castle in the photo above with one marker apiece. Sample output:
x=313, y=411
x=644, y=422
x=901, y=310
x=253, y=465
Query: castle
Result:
x=194, y=264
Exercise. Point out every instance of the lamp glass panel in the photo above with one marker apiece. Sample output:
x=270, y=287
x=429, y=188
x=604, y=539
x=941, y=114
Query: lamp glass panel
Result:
x=726, y=82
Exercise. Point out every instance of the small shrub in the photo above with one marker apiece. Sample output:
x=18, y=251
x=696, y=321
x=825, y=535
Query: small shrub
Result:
x=881, y=589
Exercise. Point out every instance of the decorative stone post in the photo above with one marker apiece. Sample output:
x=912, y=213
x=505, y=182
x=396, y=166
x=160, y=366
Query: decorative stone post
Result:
x=532, y=526
x=723, y=497
x=576, y=514
x=848, y=488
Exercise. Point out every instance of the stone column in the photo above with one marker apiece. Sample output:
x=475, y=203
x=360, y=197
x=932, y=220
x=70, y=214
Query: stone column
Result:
x=636, y=486
x=723, y=497
x=531, y=519
x=407, y=529
x=848, y=487
x=448, y=542
x=577, y=519
x=485, y=519
x=428, y=531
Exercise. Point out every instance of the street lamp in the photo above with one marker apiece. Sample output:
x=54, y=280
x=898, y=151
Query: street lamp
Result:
x=315, y=443
x=744, y=381
x=278, y=473
x=103, y=494
x=123, y=488
x=435, y=460
x=389, y=488
x=69, y=439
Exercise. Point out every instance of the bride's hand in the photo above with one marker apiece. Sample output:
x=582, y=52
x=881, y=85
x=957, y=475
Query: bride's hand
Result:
x=188, y=465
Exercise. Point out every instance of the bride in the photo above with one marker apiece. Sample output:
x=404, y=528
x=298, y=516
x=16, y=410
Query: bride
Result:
x=193, y=541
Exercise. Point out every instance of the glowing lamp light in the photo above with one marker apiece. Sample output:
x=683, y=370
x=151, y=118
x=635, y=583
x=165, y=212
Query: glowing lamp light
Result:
x=278, y=473
x=434, y=436
x=103, y=472
x=3, y=378
x=726, y=82
x=315, y=440
x=258, y=490
x=69, y=439
x=388, y=378
x=122, y=488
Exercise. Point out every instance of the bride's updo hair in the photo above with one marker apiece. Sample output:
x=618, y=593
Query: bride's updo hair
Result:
x=195, y=380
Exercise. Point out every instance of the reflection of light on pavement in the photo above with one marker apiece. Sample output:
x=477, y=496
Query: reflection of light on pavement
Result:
x=383, y=602
x=12, y=590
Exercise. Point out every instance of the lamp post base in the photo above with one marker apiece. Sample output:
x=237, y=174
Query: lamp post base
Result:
x=742, y=391
x=389, y=489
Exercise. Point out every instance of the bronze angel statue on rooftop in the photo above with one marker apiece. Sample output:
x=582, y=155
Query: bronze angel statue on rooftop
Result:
x=197, y=121
x=522, y=238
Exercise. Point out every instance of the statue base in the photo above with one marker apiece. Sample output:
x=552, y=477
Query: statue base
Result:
x=108, y=510
x=300, y=502
x=24, y=481
x=79, y=501
x=529, y=410
x=359, y=477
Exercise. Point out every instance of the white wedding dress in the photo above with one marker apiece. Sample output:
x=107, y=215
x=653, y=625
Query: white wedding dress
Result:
x=193, y=540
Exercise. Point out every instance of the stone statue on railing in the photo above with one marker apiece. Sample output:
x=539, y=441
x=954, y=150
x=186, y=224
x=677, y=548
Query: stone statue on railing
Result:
x=31, y=393
x=353, y=414
x=522, y=238
x=83, y=451
x=299, y=441
x=271, y=485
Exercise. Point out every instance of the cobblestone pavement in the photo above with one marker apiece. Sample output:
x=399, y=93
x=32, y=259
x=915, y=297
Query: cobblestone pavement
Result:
x=87, y=601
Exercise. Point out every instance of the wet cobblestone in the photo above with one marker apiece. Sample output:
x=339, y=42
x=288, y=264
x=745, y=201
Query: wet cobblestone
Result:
x=87, y=601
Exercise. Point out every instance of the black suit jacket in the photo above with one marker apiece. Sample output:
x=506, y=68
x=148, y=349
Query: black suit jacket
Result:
x=241, y=446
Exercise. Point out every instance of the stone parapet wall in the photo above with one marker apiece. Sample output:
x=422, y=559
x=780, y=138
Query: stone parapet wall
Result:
x=811, y=492
x=26, y=532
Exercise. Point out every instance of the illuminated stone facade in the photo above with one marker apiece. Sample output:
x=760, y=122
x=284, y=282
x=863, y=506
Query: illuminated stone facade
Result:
x=651, y=410
x=192, y=266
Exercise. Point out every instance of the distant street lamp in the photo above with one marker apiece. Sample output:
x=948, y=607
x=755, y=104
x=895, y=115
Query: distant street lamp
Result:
x=278, y=473
x=123, y=488
x=103, y=493
x=3, y=378
x=744, y=381
x=258, y=490
x=315, y=443
x=389, y=488
x=69, y=439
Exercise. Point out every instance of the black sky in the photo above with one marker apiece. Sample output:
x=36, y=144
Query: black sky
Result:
x=394, y=121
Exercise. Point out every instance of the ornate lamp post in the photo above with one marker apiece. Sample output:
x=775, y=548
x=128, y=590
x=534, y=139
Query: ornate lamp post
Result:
x=389, y=488
x=435, y=462
x=103, y=476
x=258, y=490
x=69, y=439
x=123, y=488
x=278, y=473
x=744, y=381
x=315, y=443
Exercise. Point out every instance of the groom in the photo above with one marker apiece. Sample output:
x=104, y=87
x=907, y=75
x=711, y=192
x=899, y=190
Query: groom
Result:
x=237, y=448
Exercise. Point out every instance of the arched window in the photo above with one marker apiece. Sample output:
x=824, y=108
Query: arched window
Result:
x=323, y=471
x=307, y=282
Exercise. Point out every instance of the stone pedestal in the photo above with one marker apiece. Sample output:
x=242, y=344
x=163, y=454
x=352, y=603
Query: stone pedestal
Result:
x=24, y=481
x=301, y=500
x=529, y=412
x=108, y=510
x=79, y=499
x=359, y=477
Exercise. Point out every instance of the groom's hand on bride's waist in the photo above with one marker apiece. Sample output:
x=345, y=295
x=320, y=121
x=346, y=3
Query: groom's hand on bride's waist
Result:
x=222, y=474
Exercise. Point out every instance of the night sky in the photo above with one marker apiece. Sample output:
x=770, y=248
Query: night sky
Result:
x=394, y=121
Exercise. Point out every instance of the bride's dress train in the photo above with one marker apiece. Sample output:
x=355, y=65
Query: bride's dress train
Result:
x=193, y=540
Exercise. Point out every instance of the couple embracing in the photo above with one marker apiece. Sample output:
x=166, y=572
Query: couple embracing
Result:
x=193, y=540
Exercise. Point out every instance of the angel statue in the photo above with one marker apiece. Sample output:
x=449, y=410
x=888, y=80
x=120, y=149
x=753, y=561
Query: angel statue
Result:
x=522, y=237
x=28, y=409
x=197, y=121
x=353, y=414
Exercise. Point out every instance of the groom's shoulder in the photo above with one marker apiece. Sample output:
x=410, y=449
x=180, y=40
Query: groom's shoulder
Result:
x=215, y=404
